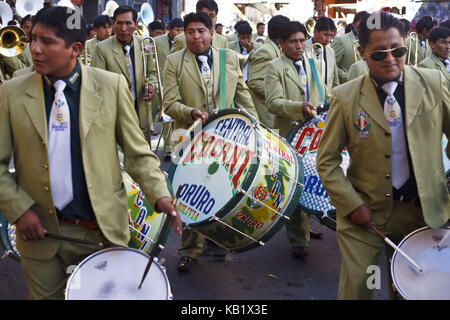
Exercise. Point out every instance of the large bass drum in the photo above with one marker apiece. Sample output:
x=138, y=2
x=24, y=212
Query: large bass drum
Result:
x=239, y=181
x=446, y=160
x=304, y=138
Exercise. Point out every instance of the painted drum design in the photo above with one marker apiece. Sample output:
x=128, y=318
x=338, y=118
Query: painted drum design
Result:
x=444, y=143
x=305, y=138
x=238, y=181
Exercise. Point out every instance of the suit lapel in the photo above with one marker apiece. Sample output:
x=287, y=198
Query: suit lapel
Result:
x=192, y=69
x=413, y=99
x=371, y=104
x=36, y=107
x=138, y=63
x=120, y=59
x=440, y=66
x=90, y=102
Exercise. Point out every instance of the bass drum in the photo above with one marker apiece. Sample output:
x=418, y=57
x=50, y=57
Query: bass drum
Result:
x=239, y=181
x=434, y=282
x=8, y=239
x=304, y=137
x=446, y=161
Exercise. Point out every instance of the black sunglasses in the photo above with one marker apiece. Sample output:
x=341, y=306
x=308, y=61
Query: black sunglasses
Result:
x=380, y=55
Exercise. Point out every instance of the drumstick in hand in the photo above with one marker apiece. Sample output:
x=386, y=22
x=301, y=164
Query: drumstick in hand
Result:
x=389, y=242
x=184, y=135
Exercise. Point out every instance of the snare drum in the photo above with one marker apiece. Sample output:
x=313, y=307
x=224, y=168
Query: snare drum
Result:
x=8, y=239
x=115, y=274
x=305, y=138
x=434, y=282
x=239, y=181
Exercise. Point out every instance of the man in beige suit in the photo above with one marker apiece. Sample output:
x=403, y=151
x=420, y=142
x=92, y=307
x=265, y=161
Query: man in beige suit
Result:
x=211, y=9
x=103, y=30
x=291, y=93
x=257, y=64
x=439, y=59
x=357, y=69
x=63, y=122
x=391, y=122
x=423, y=29
x=192, y=94
x=343, y=48
x=324, y=30
x=112, y=55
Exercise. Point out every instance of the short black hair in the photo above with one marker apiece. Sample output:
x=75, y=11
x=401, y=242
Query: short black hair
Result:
x=425, y=23
x=102, y=21
x=208, y=4
x=445, y=24
x=276, y=26
x=406, y=26
x=12, y=23
x=349, y=28
x=25, y=19
x=292, y=27
x=244, y=29
x=219, y=25
x=359, y=16
x=89, y=28
x=175, y=23
x=156, y=25
x=59, y=18
x=325, y=24
x=197, y=17
x=125, y=9
x=260, y=24
x=387, y=21
x=438, y=33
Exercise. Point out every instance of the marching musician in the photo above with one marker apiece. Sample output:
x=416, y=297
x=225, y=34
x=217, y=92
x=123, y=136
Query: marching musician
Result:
x=344, y=48
x=25, y=56
x=103, y=30
x=291, y=93
x=358, y=69
x=440, y=58
x=163, y=46
x=156, y=29
x=244, y=46
x=122, y=54
x=391, y=122
x=257, y=64
x=423, y=28
x=324, y=30
x=191, y=91
x=211, y=9
x=64, y=130
x=260, y=29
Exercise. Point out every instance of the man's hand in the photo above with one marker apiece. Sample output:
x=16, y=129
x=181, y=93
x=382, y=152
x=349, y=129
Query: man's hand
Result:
x=197, y=114
x=308, y=108
x=151, y=93
x=165, y=205
x=362, y=216
x=247, y=44
x=29, y=226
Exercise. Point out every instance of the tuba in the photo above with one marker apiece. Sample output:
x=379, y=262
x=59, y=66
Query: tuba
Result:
x=26, y=7
x=413, y=36
x=145, y=17
x=110, y=7
x=309, y=25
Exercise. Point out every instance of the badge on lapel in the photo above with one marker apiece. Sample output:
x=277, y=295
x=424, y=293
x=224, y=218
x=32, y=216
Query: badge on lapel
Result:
x=361, y=124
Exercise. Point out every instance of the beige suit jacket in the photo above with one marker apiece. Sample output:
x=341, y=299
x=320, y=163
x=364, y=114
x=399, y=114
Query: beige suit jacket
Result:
x=106, y=119
x=358, y=69
x=345, y=56
x=433, y=62
x=427, y=105
x=185, y=88
x=108, y=55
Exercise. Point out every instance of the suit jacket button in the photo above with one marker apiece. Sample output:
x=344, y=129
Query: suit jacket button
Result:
x=43, y=141
x=46, y=189
x=50, y=211
x=388, y=176
x=387, y=156
x=388, y=195
x=45, y=166
x=387, y=134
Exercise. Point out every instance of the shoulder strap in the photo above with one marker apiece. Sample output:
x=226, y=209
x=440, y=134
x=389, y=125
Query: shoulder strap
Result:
x=222, y=79
x=316, y=78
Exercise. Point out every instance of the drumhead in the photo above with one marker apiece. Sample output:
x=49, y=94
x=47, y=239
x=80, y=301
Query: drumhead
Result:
x=115, y=274
x=305, y=138
x=209, y=188
x=434, y=282
x=8, y=238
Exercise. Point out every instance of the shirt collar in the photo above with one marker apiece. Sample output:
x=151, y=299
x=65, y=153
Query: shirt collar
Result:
x=378, y=84
x=206, y=53
x=72, y=80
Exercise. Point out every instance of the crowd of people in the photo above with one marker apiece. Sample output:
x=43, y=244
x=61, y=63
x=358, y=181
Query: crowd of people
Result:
x=74, y=94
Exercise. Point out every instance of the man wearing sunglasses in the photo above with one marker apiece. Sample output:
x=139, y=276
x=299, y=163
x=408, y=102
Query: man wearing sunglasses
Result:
x=391, y=121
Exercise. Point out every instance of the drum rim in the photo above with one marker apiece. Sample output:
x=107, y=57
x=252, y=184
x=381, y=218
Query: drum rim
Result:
x=289, y=138
x=96, y=253
x=394, y=255
x=5, y=242
x=246, y=183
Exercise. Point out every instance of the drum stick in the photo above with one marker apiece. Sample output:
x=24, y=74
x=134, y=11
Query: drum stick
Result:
x=187, y=132
x=155, y=248
x=318, y=121
x=442, y=240
x=70, y=239
x=389, y=242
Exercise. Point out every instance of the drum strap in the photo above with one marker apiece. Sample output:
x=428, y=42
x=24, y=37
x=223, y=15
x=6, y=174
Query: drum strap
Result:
x=223, y=74
x=316, y=78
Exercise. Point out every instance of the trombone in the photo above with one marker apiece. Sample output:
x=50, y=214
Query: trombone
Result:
x=355, y=45
x=148, y=47
x=413, y=36
x=317, y=50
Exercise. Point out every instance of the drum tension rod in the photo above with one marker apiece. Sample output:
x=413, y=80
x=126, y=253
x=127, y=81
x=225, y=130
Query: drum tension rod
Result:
x=215, y=218
x=286, y=218
x=203, y=235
